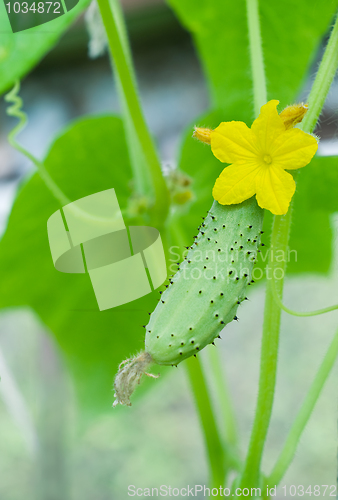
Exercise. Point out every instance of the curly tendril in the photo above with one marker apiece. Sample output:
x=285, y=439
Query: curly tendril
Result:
x=16, y=111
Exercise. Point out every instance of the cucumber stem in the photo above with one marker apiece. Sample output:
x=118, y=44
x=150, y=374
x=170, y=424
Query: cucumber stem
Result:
x=280, y=234
x=223, y=397
x=251, y=471
x=215, y=452
x=323, y=81
x=269, y=355
x=256, y=55
x=148, y=166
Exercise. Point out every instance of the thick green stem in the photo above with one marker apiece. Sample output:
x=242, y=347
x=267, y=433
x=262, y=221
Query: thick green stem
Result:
x=212, y=438
x=251, y=472
x=122, y=63
x=256, y=56
x=290, y=446
x=323, y=81
x=272, y=313
x=319, y=91
x=142, y=183
x=269, y=352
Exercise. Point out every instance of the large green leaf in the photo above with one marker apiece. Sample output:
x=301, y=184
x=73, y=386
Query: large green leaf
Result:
x=89, y=157
x=291, y=32
x=315, y=201
x=20, y=52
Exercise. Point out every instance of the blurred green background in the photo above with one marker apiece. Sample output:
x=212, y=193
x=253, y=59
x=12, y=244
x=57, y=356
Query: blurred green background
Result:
x=61, y=439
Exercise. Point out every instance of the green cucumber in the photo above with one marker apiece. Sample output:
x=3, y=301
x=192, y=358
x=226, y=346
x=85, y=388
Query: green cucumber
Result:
x=204, y=294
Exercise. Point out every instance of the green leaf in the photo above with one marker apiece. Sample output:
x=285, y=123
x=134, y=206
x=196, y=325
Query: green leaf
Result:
x=311, y=238
x=291, y=33
x=90, y=156
x=315, y=201
x=20, y=52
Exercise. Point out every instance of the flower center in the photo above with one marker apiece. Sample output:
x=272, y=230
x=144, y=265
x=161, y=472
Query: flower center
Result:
x=267, y=159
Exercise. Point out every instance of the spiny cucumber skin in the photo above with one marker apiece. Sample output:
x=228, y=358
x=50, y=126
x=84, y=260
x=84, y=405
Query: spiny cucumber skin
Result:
x=205, y=293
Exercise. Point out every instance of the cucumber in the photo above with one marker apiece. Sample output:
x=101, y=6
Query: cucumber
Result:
x=204, y=294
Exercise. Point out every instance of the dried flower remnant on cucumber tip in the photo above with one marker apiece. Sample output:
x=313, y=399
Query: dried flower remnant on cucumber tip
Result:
x=129, y=376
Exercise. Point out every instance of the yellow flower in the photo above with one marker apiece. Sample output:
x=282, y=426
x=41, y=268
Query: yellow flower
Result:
x=259, y=156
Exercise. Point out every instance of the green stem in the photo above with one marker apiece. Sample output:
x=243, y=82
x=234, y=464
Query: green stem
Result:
x=212, y=438
x=223, y=397
x=256, y=55
x=323, y=81
x=290, y=446
x=141, y=177
x=272, y=312
x=120, y=54
x=269, y=354
x=251, y=472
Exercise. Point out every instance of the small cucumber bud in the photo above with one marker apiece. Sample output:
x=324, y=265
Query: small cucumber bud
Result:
x=293, y=114
x=202, y=134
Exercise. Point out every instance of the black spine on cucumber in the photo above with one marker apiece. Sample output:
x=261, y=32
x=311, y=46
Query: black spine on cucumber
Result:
x=204, y=294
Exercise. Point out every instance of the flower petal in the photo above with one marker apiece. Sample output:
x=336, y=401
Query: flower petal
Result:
x=294, y=149
x=274, y=188
x=268, y=126
x=236, y=183
x=232, y=142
